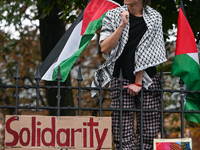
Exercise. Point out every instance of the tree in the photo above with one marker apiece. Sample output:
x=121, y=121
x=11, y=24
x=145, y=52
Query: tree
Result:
x=52, y=27
x=51, y=30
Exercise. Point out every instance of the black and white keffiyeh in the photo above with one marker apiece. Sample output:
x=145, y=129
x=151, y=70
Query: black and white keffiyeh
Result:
x=149, y=52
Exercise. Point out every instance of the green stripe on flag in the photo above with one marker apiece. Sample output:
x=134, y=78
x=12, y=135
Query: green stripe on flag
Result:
x=66, y=65
x=187, y=69
x=192, y=103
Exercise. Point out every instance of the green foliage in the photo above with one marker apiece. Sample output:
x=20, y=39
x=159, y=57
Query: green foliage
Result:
x=14, y=11
x=169, y=13
x=69, y=6
x=193, y=15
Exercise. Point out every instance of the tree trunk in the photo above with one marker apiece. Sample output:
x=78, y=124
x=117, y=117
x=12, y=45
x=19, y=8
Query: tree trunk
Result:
x=51, y=30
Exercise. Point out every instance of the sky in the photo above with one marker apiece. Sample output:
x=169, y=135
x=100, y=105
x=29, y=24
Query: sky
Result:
x=10, y=29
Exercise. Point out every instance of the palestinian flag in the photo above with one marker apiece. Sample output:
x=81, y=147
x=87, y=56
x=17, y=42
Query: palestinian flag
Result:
x=186, y=64
x=74, y=41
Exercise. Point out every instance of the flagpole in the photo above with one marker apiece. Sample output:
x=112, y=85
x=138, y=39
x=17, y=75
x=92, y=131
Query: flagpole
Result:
x=182, y=7
x=182, y=107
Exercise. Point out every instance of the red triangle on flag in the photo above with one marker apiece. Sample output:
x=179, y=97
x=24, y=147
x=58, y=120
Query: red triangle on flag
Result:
x=99, y=7
x=185, y=38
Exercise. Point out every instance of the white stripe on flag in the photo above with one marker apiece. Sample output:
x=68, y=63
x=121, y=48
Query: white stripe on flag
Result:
x=194, y=56
x=69, y=49
x=48, y=74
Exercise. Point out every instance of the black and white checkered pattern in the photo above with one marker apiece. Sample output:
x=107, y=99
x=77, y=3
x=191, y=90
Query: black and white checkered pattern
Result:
x=150, y=51
x=151, y=120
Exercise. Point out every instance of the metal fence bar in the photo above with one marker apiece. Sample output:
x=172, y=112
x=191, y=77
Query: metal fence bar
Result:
x=79, y=79
x=141, y=119
x=100, y=80
x=90, y=88
x=121, y=107
x=93, y=109
x=182, y=108
x=58, y=78
x=162, y=103
x=16, y=96
x=37, y=79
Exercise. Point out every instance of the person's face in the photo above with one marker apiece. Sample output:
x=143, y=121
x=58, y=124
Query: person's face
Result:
x=130, y=2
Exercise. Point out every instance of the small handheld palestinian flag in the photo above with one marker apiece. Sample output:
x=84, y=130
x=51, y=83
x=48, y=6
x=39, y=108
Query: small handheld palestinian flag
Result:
x=74, y=41
x=186, y=64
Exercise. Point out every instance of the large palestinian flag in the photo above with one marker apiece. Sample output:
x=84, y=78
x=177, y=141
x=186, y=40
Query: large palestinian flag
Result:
x=74, y=41
x=186, y=64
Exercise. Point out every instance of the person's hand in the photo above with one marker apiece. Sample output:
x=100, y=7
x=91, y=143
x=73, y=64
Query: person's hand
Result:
x=124, y=18
x=133, y=89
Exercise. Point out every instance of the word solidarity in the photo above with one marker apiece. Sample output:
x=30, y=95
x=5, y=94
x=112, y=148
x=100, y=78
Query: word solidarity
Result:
x=66, y=132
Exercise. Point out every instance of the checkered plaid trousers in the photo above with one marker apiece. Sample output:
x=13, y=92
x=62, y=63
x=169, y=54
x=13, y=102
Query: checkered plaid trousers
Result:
x=151, y=120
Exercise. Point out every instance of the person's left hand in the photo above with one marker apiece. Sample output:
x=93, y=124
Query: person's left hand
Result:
x=133, y=89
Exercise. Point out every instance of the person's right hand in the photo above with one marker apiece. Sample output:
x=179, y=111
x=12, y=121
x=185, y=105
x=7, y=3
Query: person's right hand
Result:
x=124, y=18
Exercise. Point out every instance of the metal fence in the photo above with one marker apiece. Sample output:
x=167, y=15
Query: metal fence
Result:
x=79, y=88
